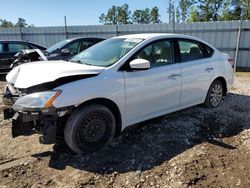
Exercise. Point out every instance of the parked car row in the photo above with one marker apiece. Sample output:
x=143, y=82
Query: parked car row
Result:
x=118, y=82
x=63, y=50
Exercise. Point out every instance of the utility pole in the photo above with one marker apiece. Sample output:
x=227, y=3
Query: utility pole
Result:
x=237, y=45
x=65, y=27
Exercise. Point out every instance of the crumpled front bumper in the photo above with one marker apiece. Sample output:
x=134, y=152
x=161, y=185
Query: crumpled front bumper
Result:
x=28, y=123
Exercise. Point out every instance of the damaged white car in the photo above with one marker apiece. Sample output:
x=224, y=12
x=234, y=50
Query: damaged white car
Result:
x=113, y=84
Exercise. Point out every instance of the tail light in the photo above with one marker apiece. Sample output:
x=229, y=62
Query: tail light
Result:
x=232, y=62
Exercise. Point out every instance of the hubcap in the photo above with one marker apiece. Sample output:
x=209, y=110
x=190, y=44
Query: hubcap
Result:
x=216, y=95
x=93, y=129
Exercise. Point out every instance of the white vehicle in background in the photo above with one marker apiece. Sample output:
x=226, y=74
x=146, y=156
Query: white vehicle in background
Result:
x=113, y=84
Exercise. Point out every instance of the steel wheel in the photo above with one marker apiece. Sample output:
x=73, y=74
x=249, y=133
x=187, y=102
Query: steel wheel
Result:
x=89, y=128
x=93, y=129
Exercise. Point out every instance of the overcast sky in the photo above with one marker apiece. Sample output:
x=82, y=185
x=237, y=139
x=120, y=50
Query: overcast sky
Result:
x=78, y=12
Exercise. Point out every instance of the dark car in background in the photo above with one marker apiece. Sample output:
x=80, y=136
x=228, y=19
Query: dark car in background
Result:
x=66, y=49
x=8, y=49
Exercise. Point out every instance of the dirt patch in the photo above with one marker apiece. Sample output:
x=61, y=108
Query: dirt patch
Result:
x=196, y=147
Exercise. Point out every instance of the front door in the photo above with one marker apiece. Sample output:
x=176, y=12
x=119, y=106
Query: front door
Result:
x=156, y=90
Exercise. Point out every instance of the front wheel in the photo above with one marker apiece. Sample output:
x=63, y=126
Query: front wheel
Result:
x=89, y=128
x=214, y=95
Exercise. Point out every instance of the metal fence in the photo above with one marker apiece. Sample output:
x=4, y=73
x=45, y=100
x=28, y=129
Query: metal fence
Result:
x=232, y=37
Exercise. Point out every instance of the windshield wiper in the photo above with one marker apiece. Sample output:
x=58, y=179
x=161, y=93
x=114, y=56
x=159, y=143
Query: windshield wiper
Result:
x=81, y=62
x=76, y=61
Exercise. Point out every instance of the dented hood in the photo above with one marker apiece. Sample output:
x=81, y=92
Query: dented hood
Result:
x=35, y=73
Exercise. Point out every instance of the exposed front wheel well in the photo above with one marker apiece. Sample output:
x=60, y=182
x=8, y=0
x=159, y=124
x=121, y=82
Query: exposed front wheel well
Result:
x=111, y=106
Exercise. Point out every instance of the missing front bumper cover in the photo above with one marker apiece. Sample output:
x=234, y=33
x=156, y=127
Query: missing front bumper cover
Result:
x=22, y=127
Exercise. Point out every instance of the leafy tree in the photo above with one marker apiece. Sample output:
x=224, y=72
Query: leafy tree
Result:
x=171, y=11
x=177, y=15
x=194, y=15
x=123, y=14
x=184, y=7
x=209, y=9
x=225, y=14
x=155, y=16
x=235, y=10
x=5, y=23
x=245, y=4
x=141, y=16
x=32, y=25
x=116, y=15
x=111, y=17
x=102, y=19
x=21, y=23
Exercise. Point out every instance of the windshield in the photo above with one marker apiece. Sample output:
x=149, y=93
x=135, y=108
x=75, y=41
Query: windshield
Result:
x=106, y=53
x=57, y=46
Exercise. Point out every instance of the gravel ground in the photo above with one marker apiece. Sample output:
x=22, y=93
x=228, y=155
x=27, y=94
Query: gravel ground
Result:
x=196, y=147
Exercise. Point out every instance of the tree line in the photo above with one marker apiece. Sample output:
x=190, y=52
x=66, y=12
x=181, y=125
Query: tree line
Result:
x=180, y=11
x=20, y=23
x=177, y=10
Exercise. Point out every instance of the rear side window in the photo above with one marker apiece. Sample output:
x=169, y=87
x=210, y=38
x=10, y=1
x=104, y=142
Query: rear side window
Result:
x=16, y=47
x=85, y=45
x=190, y=51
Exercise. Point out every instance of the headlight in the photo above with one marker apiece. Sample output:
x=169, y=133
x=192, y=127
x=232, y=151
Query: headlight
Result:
x=36, y=101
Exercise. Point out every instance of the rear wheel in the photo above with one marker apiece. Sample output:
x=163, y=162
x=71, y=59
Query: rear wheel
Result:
x=89, y=128
x=214, y=95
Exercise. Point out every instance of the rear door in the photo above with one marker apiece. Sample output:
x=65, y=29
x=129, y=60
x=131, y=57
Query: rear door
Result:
x=156, y=90
x=197, y=71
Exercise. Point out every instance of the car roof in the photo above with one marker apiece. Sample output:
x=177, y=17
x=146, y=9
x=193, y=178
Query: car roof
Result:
x=153, y=35
x=147, y=36
x=20, y=41
x=77, y=38
x=16, y=41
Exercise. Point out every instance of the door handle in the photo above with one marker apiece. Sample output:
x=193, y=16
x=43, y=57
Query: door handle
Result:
x=209, y=69
x=174, y=76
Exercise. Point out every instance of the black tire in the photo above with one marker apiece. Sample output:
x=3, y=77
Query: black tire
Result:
x=214, y=95
x=89, y=128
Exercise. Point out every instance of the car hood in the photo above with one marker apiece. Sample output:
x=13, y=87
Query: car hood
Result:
x=35, y=73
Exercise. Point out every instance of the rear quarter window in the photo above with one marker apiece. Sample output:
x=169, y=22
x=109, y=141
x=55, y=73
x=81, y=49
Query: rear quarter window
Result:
x=191, y=50
x=209, y=50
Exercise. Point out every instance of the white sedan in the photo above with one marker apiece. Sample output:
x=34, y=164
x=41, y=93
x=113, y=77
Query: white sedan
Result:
x=113, y=84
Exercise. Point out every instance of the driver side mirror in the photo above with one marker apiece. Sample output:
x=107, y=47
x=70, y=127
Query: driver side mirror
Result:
x=139, y=64
x=65, y=51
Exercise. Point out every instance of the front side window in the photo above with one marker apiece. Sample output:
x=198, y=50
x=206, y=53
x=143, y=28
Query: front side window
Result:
x=57, y=46
x=15, y=47
x=74, y=47
x=190, y=51
x=158, y=54
x=106, y=53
